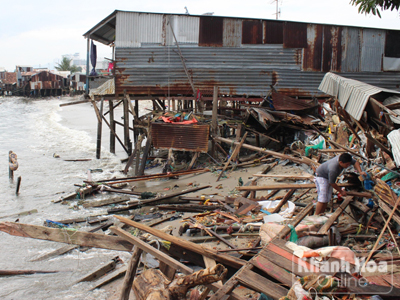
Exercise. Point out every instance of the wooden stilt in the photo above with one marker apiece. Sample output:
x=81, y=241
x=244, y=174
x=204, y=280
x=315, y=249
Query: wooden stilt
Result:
x=214, y=122
x=99, y=129
x=10, y=172
x=127, y=141
x=130, y=273
x=112, y=127
x=18, y=185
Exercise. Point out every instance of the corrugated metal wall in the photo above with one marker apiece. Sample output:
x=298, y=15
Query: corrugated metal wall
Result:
x=138, y=29
x=372, y=50
x=237, y=71
x=186, y=30
x=351, y=49
x=232, y=35
x=252, y=55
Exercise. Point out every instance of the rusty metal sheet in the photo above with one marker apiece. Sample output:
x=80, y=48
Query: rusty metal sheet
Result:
x=232, y=36
x=312, y=58
x=282, y=102
x=252, y=32
x=211, y=30
x=189, y=137
x=273, y=32
x=294, y=35
x=372, y=50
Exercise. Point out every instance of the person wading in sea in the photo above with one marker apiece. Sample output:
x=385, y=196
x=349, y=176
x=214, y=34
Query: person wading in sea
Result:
x=326, y=175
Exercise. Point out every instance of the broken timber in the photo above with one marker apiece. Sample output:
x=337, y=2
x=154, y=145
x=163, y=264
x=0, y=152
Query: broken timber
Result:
x=75, y=237
x=284, y=186
x=303, y=160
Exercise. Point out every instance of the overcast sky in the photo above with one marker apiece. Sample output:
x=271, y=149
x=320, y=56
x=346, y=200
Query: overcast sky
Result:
x=39, y=32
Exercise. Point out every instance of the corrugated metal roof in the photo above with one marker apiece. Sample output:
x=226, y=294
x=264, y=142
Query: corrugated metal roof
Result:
x=394, y=140
x=353, y=95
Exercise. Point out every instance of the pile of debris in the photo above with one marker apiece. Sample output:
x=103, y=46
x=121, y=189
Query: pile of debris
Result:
x=259, y=240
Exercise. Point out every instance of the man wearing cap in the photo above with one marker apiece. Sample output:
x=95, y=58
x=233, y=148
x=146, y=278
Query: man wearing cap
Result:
x=326, y=175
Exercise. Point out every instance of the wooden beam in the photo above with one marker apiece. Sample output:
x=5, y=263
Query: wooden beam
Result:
x=303, y=160
x=67, y=236
x=160, y=255
x=130, y=273
x=325, y=228
x=284, y=186
x=223, y=258
x=233, y=156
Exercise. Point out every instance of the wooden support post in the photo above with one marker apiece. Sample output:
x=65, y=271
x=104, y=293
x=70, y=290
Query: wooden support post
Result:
x=10, y=172
x=214, y=122
x=99, y=128
x=233, y=156
x=325, y=228
x=136, y=131
x=194, y=159
x=138, y=146
x=130, y=273
x=127, y=141
x=18, y=185
x=146, y=152
x=112, y=127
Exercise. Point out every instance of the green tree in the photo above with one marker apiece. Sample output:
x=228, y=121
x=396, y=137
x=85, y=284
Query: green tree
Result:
x=374, y=6
x=65, y=65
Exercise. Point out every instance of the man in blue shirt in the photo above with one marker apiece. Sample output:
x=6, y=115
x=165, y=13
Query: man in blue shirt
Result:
x=326, y=175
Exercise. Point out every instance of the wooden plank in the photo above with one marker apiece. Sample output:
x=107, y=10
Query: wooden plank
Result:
x=382, y=232
x=303, y=160
x=145, y=202
x=285, y=176
x=223, y=258
x=283, y=201
x=100, y=271
x=110, y=277
x=74, y=237
x=284, y=263
x=274, y=270
x=261, y=284
x=167, y=270
x=161, y=256
x=99, y=203
x=282, y=186
x=325, y=228
x=299, y=262
x=233, y=156
x=151, y=250
x=130, y=274
x=387, y=210
x=23, y=272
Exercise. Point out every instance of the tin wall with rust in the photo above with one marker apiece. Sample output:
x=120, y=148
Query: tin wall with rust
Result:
x=180, y=137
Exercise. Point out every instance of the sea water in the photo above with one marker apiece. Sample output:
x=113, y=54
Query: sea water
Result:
x=44, y=136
